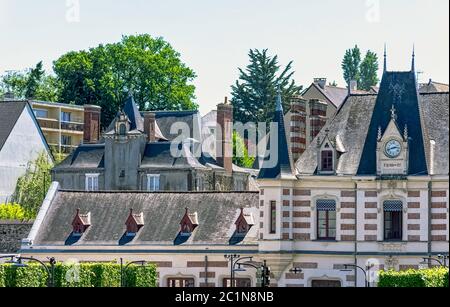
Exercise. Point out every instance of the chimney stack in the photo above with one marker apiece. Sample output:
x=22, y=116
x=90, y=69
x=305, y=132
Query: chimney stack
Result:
x=298, y=127
x=353, y=86
x=150, y=126
x=322, y=82
x=224, y=136
x=92, y=115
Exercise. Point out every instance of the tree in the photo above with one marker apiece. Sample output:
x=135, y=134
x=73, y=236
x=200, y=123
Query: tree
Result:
x=369, y=70
x=33, y=185
x=240, y=152
x=351, y=63
x=364, y=72
x=105, y=75
x=255, y=92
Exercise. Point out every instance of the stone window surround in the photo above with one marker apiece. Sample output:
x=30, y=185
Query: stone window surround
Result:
x=95, y=182
x=313, y=229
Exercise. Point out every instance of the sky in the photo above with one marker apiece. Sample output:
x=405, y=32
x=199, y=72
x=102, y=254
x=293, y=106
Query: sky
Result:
x=214, y=36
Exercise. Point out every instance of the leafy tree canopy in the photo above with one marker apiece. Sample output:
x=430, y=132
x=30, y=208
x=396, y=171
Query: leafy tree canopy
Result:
x=240, y=153
x=104, y=76
x=255, y=92
x=364, y=71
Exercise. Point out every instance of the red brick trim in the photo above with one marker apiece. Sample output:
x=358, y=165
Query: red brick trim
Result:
x=371, y=227
x=211, y=264
x=439, y=216
x=438, y=227
x=439, y=194
x=348, y=216
x=439, y=205
x=348, y=194
x=302, y=214
x=371, y=205
x=413, y=194
x=302, y=192
x=413, y=216
x=414, y=227
x=302, y=236
x=371, y=216
x=348, y=205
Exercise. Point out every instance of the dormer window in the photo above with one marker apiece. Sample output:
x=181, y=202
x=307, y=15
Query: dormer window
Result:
x=328, y=153
x=244, y=222
x=327, y=161
x=189, y=223
x=122, y=129
x=80, y=223
x=134, y=223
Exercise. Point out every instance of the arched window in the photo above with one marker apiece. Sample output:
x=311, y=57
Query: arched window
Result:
x=393, y=220
x=326, y=219
x=122, y=129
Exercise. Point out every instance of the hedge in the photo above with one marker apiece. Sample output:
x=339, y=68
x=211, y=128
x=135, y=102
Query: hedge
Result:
x=430, y=278
x=86, y=275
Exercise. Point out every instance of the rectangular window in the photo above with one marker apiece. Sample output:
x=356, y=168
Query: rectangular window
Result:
x=326, y=220
x=238, y=283
x=393, y=221
x=273, y=217
x=66, y=140
x=92, y=182
x=327, y=161
x=180, y=282
x=66, y=117
x=153, y=183
x=41, y=113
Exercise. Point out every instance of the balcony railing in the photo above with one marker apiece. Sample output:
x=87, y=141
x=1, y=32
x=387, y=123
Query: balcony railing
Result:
x=72, y=126
x=48, y=124
x=64, y=126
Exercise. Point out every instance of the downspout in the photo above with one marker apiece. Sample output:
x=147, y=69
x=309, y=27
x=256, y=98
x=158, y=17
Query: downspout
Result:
x=356, y=235
x=430, y=195
x=206, y=271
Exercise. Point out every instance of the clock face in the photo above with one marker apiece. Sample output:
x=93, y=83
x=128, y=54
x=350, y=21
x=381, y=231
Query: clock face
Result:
x=393, y=149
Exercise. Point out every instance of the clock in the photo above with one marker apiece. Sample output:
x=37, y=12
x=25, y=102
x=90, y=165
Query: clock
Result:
x=393, y=149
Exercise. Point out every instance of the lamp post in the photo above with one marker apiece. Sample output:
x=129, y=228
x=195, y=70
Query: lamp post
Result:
x=123, y=269
x=17, y=261
x=441, y=259
x=365, y=271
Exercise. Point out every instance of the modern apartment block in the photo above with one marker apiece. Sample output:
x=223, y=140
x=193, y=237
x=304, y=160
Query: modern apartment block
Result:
x=62, y=124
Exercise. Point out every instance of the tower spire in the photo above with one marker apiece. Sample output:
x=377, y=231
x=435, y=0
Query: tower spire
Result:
x=413, y=65
x=385, y=58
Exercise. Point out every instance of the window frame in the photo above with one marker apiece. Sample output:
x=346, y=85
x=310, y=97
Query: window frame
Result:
x=328, y=219
x=392, y=230
x=327, y=161
x=183, y=280
x=273, y=217
x=36, y=111
x=92, y=186
x=156, y=183
x=69, y=114
x=226, y=282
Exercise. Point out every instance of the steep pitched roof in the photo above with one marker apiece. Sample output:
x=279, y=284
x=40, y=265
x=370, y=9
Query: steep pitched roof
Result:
x=356, y=126
x=132, y=111
x=162, y=212
x=9, y=114
x=165, y=120
x=88, y=156
x=336, y=95
x=282, y=160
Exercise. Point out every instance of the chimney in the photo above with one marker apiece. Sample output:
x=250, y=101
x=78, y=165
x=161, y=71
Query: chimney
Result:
x=353, y=87
x=150, y=126
x=298, y=127
x=92, y=115
x=224, y=136
x=322, y=82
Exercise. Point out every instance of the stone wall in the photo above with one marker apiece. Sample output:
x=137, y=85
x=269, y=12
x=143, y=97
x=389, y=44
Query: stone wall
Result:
x=11, y=234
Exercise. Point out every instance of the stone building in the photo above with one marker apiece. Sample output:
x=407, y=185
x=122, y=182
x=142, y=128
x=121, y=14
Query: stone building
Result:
x=146, y=152
x=372, y=188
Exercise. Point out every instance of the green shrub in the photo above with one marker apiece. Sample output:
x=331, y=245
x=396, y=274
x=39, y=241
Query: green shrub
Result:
x=437, y=277
x=85, y=275
x=14, y=212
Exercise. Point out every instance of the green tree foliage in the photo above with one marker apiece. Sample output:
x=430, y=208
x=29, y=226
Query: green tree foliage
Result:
x=86, y=275
x=369, y=70
x=431, y=278
x=255, y=92
x=240, y=152
x=33, y=185
x=33, y=83
x=14, y=212
x=364, y=71
x=104, y=76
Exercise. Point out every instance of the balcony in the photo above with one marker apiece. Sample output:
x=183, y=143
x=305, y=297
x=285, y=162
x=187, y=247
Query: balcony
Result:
x=72, y=126
x=69, y=126
x=48, y=124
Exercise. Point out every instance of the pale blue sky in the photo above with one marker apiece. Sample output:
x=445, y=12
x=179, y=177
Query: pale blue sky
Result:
x=214, y=36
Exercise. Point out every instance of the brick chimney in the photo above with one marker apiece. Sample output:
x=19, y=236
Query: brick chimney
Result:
x=224, y=136
x=92, y=115
x=298, y=127
x=353, y=87
x=150, y=126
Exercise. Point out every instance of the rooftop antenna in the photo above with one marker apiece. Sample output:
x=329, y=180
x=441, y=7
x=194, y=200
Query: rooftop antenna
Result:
x=413, y=65
x=385, y=58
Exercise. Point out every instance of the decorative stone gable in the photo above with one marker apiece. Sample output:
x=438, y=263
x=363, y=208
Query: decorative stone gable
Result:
x=134, y=223
x=392, y=149
x=188, y=223
x=244, y=222
x=81, y=223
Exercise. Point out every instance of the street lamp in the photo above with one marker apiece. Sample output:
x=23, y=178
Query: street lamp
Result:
x=365, y=271
x=123, y=269
x=16, y=260
x=441, y=259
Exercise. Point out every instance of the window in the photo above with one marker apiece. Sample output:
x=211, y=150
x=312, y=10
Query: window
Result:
x=326, y=220
x=326, y=284
x=199, y=184
x=180, y=282
x=238, y=282
x=66, y=117
x=327, y=161
x=393, y=220
x=41, y=113
x=273, y=217
x=92, y=182
x=153, y=183
x=66, y=140
x=122, y=130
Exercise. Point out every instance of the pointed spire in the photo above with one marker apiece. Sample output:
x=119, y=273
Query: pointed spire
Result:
x=279, y=106
x=413, y=65
x=385, y=58
x=393, y=113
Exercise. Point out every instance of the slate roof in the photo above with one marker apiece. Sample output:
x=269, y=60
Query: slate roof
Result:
x=433, y=87
x=162, y=212
x=135, y=118
x=9, y=114
x=283, y=168
x=356, y=126
x=336, y=95
x=86, y=156
x=165, y=120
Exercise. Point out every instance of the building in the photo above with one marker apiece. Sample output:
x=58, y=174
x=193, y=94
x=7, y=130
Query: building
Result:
x=185, y=234
x=372, y=188
x=433, y=87
x=312, y=110
x=21, y=141
x=146, y=152
x=62, y=124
